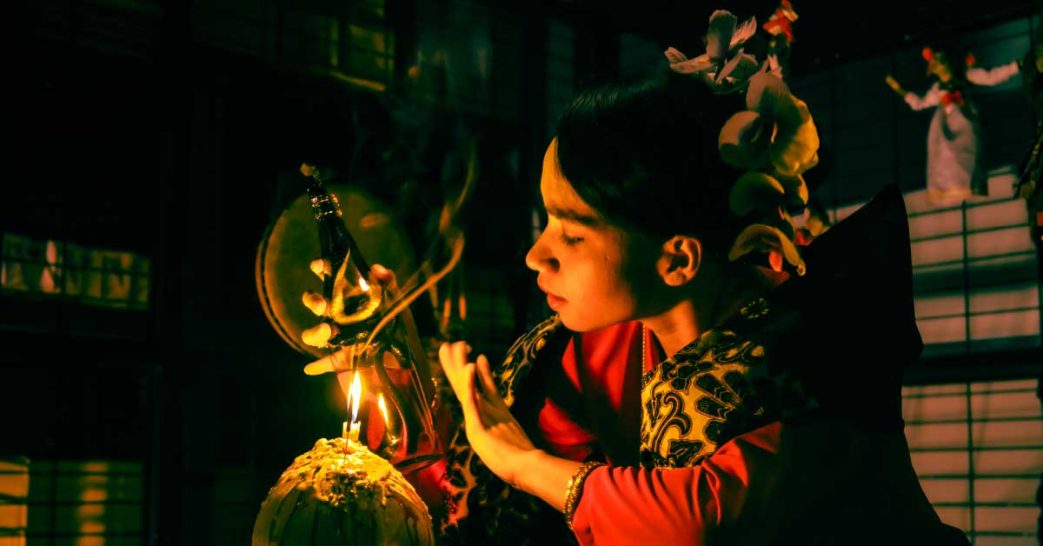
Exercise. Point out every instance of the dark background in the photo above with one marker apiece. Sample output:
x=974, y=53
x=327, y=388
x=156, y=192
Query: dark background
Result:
x=164, y=129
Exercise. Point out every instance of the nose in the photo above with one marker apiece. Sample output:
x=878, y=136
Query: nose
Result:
x=539, y=258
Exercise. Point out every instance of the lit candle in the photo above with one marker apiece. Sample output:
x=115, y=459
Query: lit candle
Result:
x=354, y=394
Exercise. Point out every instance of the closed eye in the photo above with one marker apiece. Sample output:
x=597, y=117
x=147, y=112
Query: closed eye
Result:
x=570, y=241
x=564, y=227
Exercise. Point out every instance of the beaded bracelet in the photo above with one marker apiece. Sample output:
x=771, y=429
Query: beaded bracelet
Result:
x=575, y=488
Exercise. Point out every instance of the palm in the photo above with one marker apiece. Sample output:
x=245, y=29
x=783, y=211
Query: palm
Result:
x=494, y=434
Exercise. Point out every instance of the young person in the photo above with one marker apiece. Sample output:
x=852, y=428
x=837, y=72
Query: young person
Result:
x=682, y=393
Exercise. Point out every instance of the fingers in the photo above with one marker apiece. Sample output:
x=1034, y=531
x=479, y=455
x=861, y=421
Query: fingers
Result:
x=320, y=366
x=486, y=375
x=453, y=357
x=443, y=358
x=337, y=362
x=467, y=399
x=454, y=354
x=491, y=393
x=450, y=366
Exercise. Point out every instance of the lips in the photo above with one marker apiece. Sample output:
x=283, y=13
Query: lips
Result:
x=553, y=301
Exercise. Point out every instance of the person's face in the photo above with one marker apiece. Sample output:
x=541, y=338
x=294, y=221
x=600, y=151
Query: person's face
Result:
x=593, y=272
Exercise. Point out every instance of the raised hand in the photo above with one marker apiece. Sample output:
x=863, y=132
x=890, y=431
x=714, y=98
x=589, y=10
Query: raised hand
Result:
x=494, y=434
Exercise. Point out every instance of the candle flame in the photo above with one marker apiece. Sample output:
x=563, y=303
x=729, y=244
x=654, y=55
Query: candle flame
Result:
x=354, y=395
x=363, y=284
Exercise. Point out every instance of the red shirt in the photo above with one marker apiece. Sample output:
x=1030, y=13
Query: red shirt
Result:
x=595, y=406
x=749, y=490
x=634, y=506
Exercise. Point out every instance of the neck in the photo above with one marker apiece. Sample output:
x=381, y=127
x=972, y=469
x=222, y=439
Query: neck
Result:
x=711, y=302
x=676, y=327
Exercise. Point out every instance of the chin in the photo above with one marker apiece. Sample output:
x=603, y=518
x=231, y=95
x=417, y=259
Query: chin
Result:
x=581, y=324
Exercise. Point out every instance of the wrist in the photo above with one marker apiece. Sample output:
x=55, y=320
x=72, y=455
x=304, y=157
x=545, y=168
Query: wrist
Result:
x=545, y=476
x=527, y=459
x=574, y=490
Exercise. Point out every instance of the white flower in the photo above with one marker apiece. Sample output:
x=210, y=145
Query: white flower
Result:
x=724, y=65
x=775, y=139
x=775, y=131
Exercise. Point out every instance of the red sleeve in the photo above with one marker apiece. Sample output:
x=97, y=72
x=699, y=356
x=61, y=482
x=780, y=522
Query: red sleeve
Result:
x=636, y=506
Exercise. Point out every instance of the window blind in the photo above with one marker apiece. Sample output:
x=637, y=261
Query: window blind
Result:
x=978, y=450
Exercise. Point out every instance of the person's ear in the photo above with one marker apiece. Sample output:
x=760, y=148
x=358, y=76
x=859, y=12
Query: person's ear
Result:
x=680, y=259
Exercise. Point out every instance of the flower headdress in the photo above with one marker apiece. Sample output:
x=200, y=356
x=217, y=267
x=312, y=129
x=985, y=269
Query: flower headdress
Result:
x=774, y=140
x=724, y=66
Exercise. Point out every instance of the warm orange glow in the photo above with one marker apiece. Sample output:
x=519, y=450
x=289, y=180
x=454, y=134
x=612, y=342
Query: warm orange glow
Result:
x=357, y=82
x=354, y=395
x=363, y=284
x=383, y=410
x=14, y=485
x=94, y=487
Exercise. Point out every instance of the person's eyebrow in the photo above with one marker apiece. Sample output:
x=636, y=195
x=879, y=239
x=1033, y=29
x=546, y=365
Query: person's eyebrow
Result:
x=573, y=216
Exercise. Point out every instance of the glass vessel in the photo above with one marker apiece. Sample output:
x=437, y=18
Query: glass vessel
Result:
x=380, y=358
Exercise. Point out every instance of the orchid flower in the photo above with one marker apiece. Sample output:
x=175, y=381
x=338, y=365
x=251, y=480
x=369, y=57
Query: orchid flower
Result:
x=724, y=65
x=776, y=141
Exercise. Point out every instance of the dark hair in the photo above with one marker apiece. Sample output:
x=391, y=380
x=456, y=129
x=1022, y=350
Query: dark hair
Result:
x=643, y=153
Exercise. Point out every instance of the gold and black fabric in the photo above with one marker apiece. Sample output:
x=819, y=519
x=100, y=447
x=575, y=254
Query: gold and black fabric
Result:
x=714, y=389
x=481, y=508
